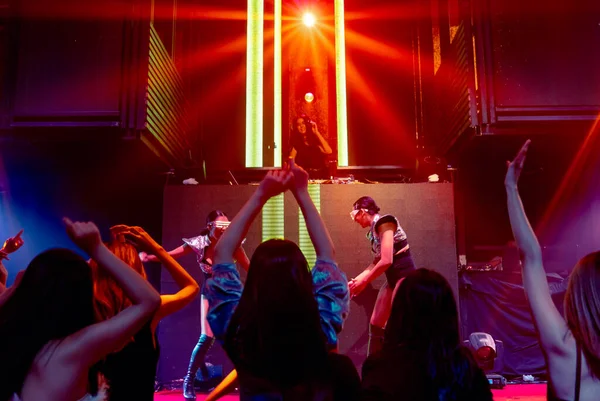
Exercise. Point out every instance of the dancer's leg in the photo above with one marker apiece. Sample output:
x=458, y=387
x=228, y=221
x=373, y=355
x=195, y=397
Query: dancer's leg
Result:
x=379, y=317
x=205, y=341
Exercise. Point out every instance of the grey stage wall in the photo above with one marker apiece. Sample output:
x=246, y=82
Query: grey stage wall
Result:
x=425, y=211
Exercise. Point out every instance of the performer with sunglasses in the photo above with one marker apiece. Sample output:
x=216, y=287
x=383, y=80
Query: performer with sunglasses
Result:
x=391, y=256
x=204, y=246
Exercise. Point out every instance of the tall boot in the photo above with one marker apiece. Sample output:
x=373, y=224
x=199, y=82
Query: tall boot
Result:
x=375, y=339
x=196, y=362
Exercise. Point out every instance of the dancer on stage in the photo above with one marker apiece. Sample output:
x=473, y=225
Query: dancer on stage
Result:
x=204, y=247
x=391, y=256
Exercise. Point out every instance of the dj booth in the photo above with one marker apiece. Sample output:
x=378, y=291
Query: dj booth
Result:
x=425, y=211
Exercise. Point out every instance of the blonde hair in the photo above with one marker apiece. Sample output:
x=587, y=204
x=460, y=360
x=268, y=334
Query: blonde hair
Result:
x=582, y=308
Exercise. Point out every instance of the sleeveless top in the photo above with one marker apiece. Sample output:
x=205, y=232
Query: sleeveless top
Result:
x=400, y=238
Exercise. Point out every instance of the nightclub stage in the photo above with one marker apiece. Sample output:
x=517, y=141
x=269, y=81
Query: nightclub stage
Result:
x=425, y=211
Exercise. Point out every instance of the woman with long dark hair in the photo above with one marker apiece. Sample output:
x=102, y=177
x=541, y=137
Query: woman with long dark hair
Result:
x=203, y=246
x=51, y=341
x=280, y=327
x=571, y=344
x=422, y=356
x=308, y=147
x=391, y=256
x=131, y=371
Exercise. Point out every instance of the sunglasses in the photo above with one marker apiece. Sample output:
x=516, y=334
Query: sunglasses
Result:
x=355, y=212
x=219, y=224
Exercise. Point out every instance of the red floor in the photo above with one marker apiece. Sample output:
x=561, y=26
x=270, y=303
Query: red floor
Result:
x=513, y=392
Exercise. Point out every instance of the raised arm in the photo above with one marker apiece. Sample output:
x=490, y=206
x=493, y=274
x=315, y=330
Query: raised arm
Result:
x=274, y=183
x=170, y=303
x=3, y=275
x=108, y=336
x=550, y=324
x=10, y=245
x=241, y=257
x=174, y=253
x=319, y=235
x=323, y=144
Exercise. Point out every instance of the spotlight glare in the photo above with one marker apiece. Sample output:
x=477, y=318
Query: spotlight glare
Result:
x=309, y=20
x=309, y=97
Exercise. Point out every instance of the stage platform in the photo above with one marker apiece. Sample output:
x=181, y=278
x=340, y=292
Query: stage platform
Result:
x=425, y=211
x=512, y=392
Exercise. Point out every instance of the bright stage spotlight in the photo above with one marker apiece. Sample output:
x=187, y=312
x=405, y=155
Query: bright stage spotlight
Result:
x=309, y=97
x=309, y=20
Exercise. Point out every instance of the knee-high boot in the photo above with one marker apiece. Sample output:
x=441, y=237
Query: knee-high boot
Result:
x=375, y=339
x=196, y=362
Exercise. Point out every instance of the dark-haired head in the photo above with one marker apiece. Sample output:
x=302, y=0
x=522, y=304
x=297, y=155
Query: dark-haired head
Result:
x=214, y=215
x=423, y=293
x=275, y=331
x=302, y=130
x=424, y=319
x=54, y=299
x=582, y=308
x=211, y=229
x=367, y=203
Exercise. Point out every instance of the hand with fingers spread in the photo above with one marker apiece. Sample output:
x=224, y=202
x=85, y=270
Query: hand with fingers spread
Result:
x=274, y=183
x=11, y=245
x=516, y=166
x=138, y=237
x=85, y=235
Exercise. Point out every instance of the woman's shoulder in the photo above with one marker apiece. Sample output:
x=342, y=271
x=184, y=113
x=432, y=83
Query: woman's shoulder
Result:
x=386, y=218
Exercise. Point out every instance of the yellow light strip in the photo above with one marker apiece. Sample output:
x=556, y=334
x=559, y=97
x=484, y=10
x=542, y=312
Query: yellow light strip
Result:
x=340, y=83
x=254, y=84
x=273, y=219
x=304, y=241
x=277, y=98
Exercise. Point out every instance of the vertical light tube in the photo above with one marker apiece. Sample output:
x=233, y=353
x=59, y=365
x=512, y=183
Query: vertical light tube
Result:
x=254, y=84
x=277, y=98
x=273, y=218
x=340, y=83
x=304, y=242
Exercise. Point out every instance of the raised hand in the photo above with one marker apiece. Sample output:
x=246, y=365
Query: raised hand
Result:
x=144, y=257
x=12, y=244
x=85, y=235
x=275, y=182
x=300, y=176
x=136, y=236
x=516, y=166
